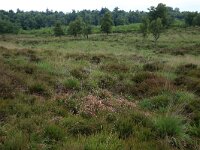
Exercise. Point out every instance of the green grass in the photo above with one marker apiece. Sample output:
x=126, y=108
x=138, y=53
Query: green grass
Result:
x=106, y=92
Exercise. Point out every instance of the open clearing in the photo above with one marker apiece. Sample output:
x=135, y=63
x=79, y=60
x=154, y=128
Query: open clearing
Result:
x=106, y=92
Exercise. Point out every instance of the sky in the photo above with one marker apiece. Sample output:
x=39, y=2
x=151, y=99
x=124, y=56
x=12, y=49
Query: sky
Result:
x=69, y=5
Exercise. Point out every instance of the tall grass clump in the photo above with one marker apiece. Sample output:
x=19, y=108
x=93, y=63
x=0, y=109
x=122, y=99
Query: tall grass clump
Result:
x=124, y=128
x=14, y=141
x=72, y=84
x=170, y=126
x=103, y=141
x=54, y=132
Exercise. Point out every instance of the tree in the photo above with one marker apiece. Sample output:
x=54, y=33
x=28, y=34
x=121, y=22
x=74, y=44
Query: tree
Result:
x=119, y=17
x=106, y=23
x=196, y=20
x=156, y=29
x=58, y=31
x=7, y=27
x=87, y=29
x=144, y=27
x=75, y=27
x=189, y=18
x=161, y=11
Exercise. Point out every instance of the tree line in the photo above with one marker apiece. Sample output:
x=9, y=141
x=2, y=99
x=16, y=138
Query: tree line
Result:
x=11, y=22
x=79, y=26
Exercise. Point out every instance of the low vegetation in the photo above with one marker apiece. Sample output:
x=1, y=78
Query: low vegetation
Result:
x=60, y=93
x=120, y=89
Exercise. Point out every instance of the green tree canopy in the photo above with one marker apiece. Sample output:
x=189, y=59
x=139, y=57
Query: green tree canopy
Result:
x=87, y=29
x=106, y=23
x=191, y=18
x=196, y=20
x=76, y=27
x=8, y=27
x=156, y=29
x=58, y=31
x=144, y=27
x=161, y=11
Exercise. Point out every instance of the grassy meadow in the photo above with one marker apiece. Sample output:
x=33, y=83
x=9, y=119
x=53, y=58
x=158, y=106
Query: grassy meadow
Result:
x=115, y=92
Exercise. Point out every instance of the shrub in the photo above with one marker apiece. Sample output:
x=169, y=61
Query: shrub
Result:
x=53, y=132
x=115, y=67
x=190, y=83
x=185, y=69
x=155, y=66
x=38, y=88
x=169, y=126
x=193, y=109
x=72, y=84
x=106, y=81
x=80, y=73
x=72, y=106
x=149, y=84
x=125, y=86
x=140, y=77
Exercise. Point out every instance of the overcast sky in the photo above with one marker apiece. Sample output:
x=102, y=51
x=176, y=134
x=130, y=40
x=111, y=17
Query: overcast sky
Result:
x=68, y=5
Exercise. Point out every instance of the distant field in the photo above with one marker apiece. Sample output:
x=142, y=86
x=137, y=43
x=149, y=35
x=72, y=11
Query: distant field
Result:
x=115, y=92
